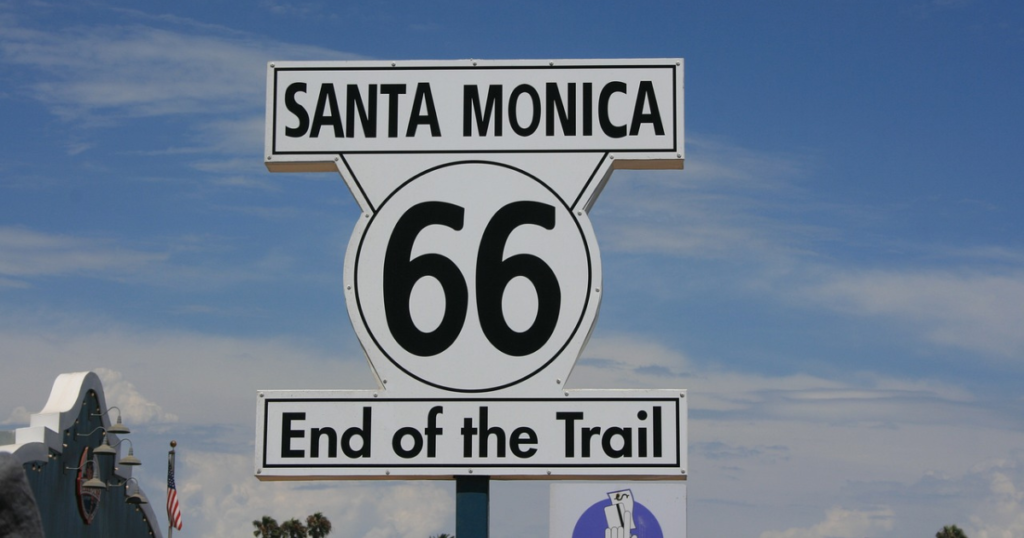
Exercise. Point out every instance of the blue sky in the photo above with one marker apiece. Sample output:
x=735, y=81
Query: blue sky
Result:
x=837, y=276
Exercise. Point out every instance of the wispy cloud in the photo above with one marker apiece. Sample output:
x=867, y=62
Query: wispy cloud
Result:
x=746, y=220
x=19, y=416
x=627, y=361
x=132, y=405
x=136, y=70
x=141, y=67
x=220, y=493
x=999, y=509
x=235, y=136
x=187, y=263
x=199, y=378
x=299, y=9
x=748, y=429
x=28, y=254
x=11, y=283
x=753, y=434
x=842, y=523
x=78, y=147
x=985, y=498
x=730, y=203
x=973, y=310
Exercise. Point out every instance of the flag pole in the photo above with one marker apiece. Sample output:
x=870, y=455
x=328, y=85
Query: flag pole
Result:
x=170, y=463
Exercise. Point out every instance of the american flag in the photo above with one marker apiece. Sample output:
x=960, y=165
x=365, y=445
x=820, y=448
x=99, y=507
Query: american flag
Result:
x=173, y=512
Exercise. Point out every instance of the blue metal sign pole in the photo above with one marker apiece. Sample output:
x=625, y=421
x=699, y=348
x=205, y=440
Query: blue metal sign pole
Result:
x=472, y=506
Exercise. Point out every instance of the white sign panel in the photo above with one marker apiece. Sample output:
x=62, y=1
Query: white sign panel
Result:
x=473, y=107
x=325, y=434
x=473, y=277
x=474, y=268
x=618, y=510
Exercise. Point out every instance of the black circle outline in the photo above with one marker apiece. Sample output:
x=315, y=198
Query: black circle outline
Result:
x=369, y=331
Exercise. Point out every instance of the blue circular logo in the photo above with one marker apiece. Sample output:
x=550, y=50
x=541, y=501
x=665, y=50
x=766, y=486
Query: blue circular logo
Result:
x=594, y=522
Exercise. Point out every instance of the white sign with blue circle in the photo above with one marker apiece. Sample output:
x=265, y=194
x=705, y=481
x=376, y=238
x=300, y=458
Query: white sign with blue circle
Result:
x=618, y=510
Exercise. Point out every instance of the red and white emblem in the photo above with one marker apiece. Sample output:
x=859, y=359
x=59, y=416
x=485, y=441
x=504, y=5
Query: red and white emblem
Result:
x=88, y=498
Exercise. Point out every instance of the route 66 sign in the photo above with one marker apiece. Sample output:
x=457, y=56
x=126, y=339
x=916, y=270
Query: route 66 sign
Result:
x=473, y=276
x=474, y=268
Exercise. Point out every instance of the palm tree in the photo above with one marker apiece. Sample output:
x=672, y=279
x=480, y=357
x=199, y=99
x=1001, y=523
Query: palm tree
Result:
x=951, y=531
x=293, y=528
x=318, y=525
x=266, y=528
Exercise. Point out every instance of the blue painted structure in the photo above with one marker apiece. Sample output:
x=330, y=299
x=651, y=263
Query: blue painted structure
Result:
x=51, y=445
x=472, y=506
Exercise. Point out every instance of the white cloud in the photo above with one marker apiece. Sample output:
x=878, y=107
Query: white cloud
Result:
x=971, y=310
x=221, y=497
x=236, y=136
x=723, y=166
x=842, y=523
x=1000, y=510
x=729, y=203
x=136, y=70
x=29, y=253
x=170, y=262
x=755, y=440
x=139, y=67
x=627, y=362
x=11, y=283
x=19, y=416
x=744, y=215
x=133, y=407
x=298, y=9
x=764, y=444
x=199, y=378
x=75, y=148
